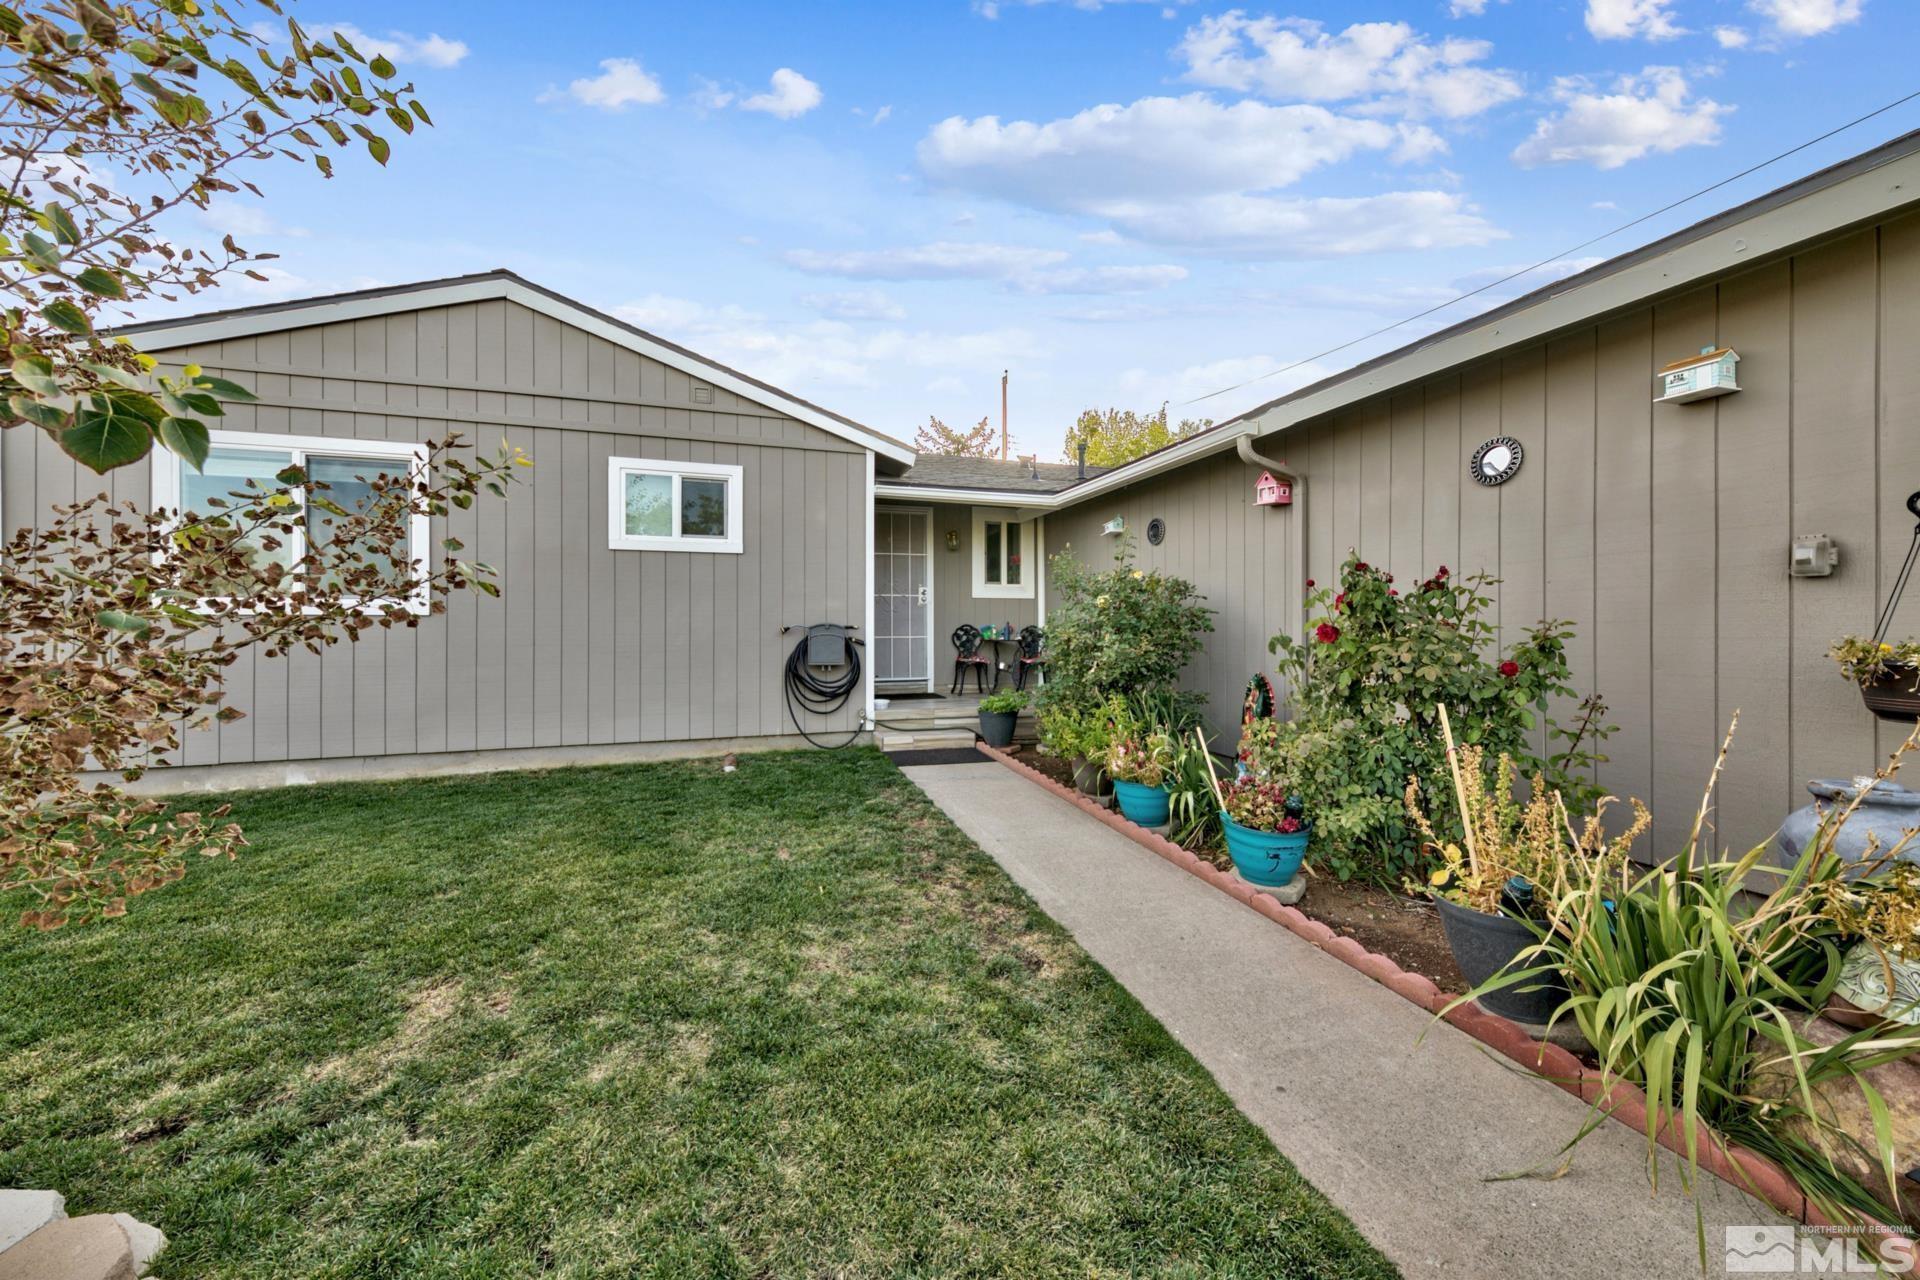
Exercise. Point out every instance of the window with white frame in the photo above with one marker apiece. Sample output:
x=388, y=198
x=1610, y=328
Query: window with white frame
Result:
x=348, y=470
x=1002, y=556
x=656, y=505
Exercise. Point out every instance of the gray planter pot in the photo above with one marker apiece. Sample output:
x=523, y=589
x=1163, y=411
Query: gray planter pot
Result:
x=1482, y=946
x=996, y=727
x=1090, y=778
x=1881, y=821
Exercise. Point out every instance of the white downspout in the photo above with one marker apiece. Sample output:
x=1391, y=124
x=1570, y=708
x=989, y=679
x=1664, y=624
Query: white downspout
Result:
x=1297, y=542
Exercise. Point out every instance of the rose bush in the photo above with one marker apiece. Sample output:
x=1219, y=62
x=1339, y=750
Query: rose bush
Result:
x=1364, y=689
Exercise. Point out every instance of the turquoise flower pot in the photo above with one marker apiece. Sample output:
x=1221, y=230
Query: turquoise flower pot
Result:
x=1147, y=806
x=1266, y=858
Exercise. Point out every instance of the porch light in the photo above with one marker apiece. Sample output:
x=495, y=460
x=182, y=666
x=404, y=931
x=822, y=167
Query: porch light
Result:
x=953, y=539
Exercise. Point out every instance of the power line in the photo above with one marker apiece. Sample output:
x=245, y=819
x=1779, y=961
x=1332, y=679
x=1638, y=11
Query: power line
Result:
x=1567, y=253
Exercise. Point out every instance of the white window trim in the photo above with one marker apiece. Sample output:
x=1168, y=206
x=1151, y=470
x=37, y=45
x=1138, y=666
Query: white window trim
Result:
x=984, y=590
x=166, y=491
x=618, y=539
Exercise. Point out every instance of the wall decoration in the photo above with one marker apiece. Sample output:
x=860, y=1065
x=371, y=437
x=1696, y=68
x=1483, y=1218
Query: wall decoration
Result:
x=1156, y=531
x=1258, y=704
x=1497, y=461
x=953, y=539
x=1270, y=492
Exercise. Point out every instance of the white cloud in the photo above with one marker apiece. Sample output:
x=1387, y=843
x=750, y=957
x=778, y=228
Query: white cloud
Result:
x=242, y=220
x=1190, y=172
x=824, y=353
x=1732, y=37
x=1606, y=204
x=711, y=96
x=791, y=95
x=1466, y=8
x=1807, y=17
x=1325, y=226
x=855, y=304
x=1106, y=235
x=942, y=260
x=1101, y=280
x=882, y=115
x=433, y=50
x=1148, y=150
x=1648, y=112
x=990, y=9
x=1488, y=286
x=622, y=83
x=1387, y=65
x=1628, y=19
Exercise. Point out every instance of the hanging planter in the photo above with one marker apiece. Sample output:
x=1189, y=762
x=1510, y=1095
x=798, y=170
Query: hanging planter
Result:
x=1888, y=672
x=1895, y=695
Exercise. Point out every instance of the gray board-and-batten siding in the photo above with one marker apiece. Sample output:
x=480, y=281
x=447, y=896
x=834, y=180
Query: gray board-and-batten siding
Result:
x=587, y=647
x=1661, y=531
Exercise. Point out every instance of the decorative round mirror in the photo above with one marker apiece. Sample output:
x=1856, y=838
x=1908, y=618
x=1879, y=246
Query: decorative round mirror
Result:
x=1156, y=531
x=1496, y=461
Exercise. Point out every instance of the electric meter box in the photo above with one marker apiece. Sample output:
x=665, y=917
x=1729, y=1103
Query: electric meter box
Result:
x=1711, y=373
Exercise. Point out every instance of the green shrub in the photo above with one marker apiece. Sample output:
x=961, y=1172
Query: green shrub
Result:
x=1365, y=683
x=1696, y=993
x=1119, y=630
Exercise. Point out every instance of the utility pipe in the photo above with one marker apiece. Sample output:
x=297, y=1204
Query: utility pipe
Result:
x=1297, y=539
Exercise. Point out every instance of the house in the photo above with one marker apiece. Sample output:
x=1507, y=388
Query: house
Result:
x=680, y=516
x=1664, y=528
x=1542, y=441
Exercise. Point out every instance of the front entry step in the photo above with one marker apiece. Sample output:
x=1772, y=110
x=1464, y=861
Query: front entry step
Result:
x=923, y=739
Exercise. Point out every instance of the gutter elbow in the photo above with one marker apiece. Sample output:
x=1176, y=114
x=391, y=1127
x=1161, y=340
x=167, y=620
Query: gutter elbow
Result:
x=1244, y=447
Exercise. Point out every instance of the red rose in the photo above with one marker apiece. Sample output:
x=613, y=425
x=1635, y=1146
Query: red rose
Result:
x=1326, y=633
x=1309, y=584
x=1509, y=669
x=1393, y=591
x=1389, y=577
x=1340, y=601
x=1443, y=572
x=1360, y=567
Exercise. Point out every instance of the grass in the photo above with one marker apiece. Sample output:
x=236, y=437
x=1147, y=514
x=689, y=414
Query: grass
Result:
x=642, y=1021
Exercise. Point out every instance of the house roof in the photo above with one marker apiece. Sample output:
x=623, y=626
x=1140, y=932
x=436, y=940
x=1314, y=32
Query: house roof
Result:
x=1852, y=193
x=944, y=471
x=214, y=326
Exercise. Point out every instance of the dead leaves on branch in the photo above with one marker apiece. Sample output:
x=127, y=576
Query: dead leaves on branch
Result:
x=116, y=628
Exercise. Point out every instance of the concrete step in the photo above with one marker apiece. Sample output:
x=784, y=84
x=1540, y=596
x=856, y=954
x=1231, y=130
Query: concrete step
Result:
x=924, y=740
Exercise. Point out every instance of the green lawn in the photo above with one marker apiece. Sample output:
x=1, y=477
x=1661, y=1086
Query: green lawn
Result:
x=655, y=1020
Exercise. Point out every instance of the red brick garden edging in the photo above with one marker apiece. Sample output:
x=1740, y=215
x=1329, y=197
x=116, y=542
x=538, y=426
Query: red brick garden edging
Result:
x=1743, y=1168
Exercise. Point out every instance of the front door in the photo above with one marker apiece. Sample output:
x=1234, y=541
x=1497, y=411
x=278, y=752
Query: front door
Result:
x=902, y=595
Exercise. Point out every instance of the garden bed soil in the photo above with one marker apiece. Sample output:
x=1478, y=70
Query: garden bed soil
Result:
x=1390, y=923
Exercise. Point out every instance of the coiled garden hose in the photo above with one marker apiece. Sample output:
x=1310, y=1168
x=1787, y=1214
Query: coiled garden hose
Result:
x=821, y=696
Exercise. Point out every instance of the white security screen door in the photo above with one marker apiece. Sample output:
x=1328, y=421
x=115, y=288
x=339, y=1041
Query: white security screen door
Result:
x=902, y=595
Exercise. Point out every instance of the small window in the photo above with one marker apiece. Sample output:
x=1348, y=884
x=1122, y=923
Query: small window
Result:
x=999, y=556
x=657, y=505
x=347, y=468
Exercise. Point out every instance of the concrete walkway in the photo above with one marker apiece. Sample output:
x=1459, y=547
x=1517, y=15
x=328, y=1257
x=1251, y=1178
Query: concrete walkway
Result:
x=1401, y=1136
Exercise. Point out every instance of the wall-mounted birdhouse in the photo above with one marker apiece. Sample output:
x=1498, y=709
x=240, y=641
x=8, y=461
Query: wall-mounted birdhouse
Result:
x=1711, y=373
x=1269, y=492
x=1116, y=525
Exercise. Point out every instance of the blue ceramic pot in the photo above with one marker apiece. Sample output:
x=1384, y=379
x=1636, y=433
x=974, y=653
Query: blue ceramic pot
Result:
x=1878, y=825
x=1146, y=806
x=1265, y=857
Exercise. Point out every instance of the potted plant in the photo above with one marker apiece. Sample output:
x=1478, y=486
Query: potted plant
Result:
x=1879, y=980
x=1493, y=885
x=1139, y=765
x=1079, y=735
x=998, y=714
x=1888, y=674
x=1265, y=824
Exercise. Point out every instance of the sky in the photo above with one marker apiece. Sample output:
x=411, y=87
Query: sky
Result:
x=881, y=206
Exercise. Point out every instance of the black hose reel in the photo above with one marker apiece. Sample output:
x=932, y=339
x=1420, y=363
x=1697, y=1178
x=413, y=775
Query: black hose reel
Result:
x=822, y=673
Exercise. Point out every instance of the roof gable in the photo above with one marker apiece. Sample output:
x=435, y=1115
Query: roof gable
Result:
x=247, y=321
